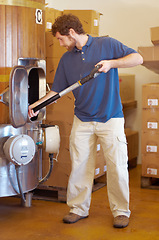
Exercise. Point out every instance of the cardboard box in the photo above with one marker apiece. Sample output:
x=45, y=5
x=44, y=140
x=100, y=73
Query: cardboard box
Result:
x=89, y=19
x=62, y=168
x=150, y=95
x=132, y=138
x=50, y=15
x=127, y=87
x=150, y=57
x=53, y=48
x=150, y=119
x=150, y=53
x=51, y=66
x=150, y=166
x=154, y=35
x=100, y=168
x=150, y=143
x=61, y=114
x=152, y=65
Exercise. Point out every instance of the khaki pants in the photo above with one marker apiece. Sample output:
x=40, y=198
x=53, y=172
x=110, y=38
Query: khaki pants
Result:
x=83, y=147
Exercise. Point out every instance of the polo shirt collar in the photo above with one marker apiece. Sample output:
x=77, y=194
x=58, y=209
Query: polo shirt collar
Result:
x=90, y=39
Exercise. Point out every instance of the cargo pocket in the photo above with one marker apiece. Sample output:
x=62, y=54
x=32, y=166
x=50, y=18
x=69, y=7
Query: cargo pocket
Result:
x=122, y=154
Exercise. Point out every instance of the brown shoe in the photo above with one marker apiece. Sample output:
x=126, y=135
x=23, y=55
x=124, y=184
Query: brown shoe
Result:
x=121, y=221
x=72, y=218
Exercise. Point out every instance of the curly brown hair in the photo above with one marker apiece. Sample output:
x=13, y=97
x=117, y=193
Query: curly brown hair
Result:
x=63, y=24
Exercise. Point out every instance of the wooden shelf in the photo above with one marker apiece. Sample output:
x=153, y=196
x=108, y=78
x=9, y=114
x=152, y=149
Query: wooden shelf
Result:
x=152, y=65
x=127, y=105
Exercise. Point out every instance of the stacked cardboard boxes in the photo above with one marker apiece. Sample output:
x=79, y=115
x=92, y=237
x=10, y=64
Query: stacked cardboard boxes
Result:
x=50, y=15
x=150, y=54
x=53, y=49
x=53, y=54
x=150, y=110
x=150, y=130
x=89, y=19
x=127, y=94
x=62, y=112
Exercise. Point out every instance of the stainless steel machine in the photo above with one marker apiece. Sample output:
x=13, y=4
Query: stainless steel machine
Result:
x=21, y=140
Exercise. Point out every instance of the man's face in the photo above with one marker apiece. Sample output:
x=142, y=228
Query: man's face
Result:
x=66, y=41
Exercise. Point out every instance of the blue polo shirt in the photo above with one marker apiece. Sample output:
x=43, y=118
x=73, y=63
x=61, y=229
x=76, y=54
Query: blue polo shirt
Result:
x=99, y=99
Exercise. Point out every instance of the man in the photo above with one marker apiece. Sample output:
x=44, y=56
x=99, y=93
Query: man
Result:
x=98, y=114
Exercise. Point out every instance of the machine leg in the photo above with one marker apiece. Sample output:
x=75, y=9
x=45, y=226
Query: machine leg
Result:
x=28, y=200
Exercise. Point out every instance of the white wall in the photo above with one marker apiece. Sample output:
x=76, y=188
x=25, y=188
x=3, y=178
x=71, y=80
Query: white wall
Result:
x=129, y=21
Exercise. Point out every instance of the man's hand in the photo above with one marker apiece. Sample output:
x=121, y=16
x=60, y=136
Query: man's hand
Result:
x=31, y=112
x=130, y=60
x=106, y=66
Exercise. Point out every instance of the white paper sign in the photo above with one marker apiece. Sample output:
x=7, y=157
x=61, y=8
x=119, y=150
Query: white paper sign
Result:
x=152, y=125
x=152, y=171
x=38, y=15
x=105, y=168
x=49, y=25
x=97, y=171
x=152, y=102
x=150, y=148
x=98, y=147
x=95, y=22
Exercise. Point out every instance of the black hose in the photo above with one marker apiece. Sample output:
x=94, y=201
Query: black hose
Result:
x=50, y=169
x=46, y=102
x=17, y=167
x=10, y=178
x=92, y=74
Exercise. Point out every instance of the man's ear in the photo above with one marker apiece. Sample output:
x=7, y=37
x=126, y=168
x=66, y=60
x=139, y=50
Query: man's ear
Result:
x=72, y=32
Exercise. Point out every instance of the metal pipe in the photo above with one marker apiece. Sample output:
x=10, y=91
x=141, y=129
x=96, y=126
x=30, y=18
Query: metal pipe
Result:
x=10, y=178
x=94, y=73
x=50, y=169
x=17, y=167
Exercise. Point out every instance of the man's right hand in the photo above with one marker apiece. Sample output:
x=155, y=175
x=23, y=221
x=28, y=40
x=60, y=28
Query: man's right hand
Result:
x=31, y=113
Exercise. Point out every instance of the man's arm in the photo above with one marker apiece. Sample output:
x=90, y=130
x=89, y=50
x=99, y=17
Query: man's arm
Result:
x=130, y=60
x=47, y=96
